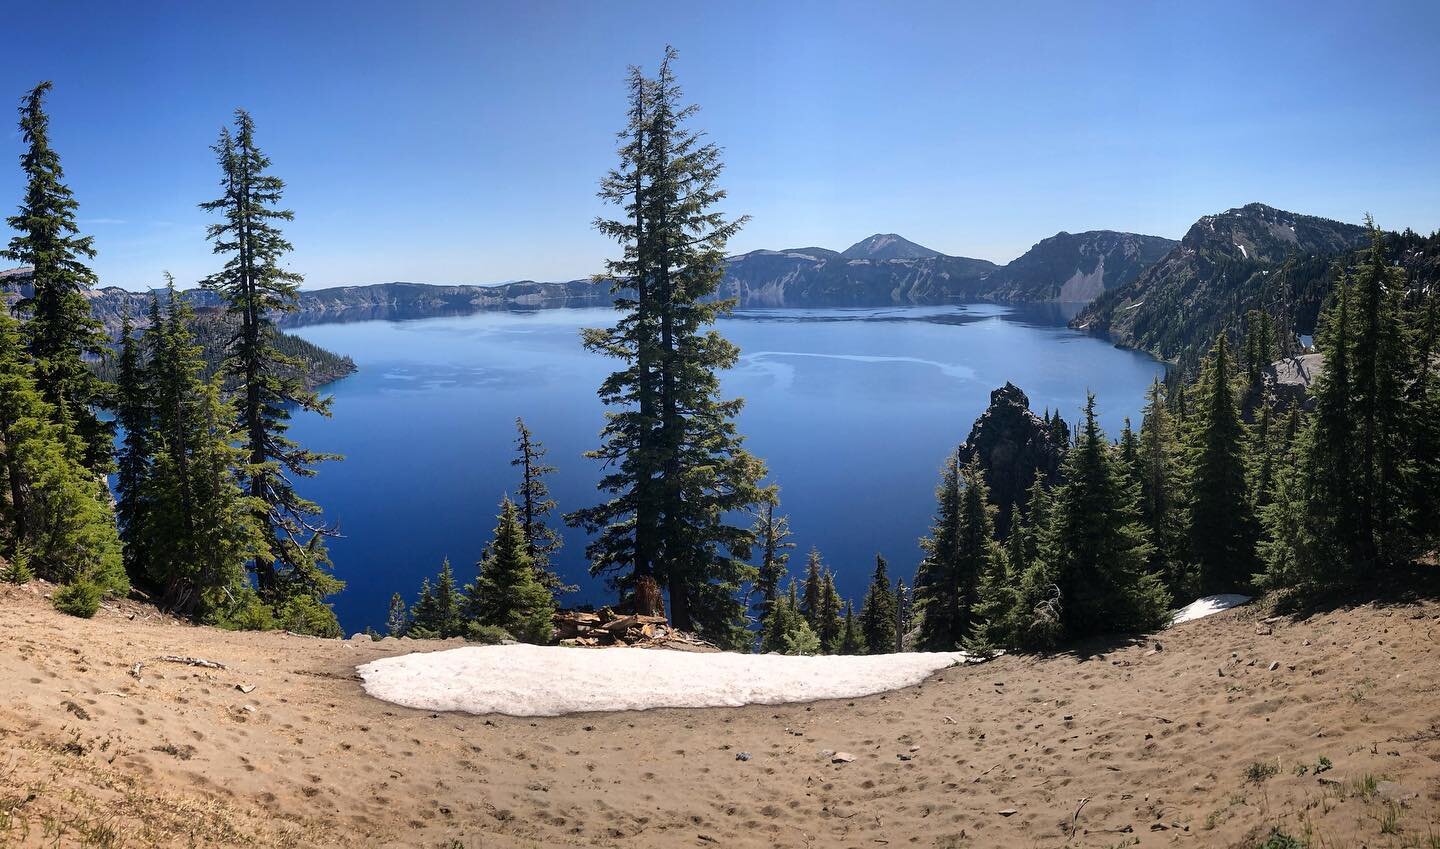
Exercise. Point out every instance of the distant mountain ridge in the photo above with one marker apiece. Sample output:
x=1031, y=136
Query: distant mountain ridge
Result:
x=1245, y=258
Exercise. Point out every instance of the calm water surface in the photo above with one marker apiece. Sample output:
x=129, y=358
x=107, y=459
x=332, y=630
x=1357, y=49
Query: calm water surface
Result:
x=854, y=410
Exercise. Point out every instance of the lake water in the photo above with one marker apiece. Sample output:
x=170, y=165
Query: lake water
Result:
x=854, y=410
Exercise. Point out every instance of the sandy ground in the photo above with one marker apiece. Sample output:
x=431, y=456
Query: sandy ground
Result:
x=1198, y=744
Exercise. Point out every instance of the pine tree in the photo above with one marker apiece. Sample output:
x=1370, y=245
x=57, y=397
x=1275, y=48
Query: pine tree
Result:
x=850, y=639
x=60, y=333
x=878, y=612
x=437, y=613
x=1090, y=576
x=255, y=287
x=507, y=594
x=784, y=629
x=772, y=534
x=397, y=621
x=58, y=520
x=814, y=587
x=425, y=618
x=134, y=413
x=198, y=529
x=679, y=466
x=1162, y=493
x=542, y=541
x=829, y=625
x=937, y=580
x=904, y=613
x=1223, y=529
x=959, y=553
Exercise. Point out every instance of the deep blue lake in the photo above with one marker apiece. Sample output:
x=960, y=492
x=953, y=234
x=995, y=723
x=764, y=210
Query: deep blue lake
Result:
x=854, y=410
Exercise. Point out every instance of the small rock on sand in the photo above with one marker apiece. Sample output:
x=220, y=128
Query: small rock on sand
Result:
x=841, y=758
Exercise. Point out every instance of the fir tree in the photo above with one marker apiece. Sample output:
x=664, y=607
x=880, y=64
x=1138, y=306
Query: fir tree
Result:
x=679, y=469
x=198, y=528
x=536, y=505
x=1162, y=493
x=60, y=333
x=424, y=618
x=507, y=594
x=772, y=534
x=134, y=413
x=850, y=639
x=437, y=613
x=1223, y=530
x=809, y=606
x=784, y=629
x=904, y=613
x=255, y=287
x=829, y=624
x=878, y=618
x=1091, y=573
x=58, y=520
x=937, y=580
x=397, y=620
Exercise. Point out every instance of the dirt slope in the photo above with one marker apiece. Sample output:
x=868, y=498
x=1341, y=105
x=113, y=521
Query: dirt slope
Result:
x=1128, y=746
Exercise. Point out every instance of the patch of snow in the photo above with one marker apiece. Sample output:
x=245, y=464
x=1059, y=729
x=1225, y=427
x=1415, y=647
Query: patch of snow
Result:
x=524, y=680
x=1135, y=305
x=1207, y=606
x=1243, y=252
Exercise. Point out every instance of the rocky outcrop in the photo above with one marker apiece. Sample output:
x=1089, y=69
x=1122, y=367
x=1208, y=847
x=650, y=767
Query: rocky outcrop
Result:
x=1014, y=447
x=1078, y=267
x=1289, y=380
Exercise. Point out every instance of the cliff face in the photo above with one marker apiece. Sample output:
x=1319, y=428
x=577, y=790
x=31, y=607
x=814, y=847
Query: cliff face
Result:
x=1014, y=447
x=1078, y=267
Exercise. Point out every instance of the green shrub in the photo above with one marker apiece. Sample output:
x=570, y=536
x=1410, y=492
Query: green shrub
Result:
x=17, y=571
x=304, y=615
x=489, y=635
x=246, y=612
x=81, y=598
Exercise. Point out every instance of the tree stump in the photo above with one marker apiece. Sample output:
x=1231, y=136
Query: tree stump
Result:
x=647, y=600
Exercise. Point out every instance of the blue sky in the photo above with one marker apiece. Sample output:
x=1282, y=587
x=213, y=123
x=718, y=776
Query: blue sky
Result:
x=462, y=142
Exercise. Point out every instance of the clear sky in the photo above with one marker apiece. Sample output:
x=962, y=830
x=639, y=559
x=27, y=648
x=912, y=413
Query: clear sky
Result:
x=462, y=142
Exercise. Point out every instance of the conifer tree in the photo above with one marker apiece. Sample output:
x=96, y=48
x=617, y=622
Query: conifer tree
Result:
x=937, y=579
x=424, y=618
x=134, y=413
x=255, y=287
x=198, y=528
x=679, y=469
x=397, y=620
x=772, y=534
x=784, y=629
x=850, y=640
x=828, y=623
x=536, y=505
x=1091, y=573
x=963, y=548
x=1162, y=493
x=814, y=588
x=507, y=594
x=904, y=613
x=60, y=333
x=437, y=613
x=878, y=612
x=1223, y=529
x=58, y=521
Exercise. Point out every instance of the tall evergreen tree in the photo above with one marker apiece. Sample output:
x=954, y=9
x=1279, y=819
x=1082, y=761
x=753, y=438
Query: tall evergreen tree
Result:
x=199, y=529
x=963, y=548
x=1223, y=528
x=1162, y=493
x=507, y=594
x=878, y=613
x=1091, y=574
x=784, y=629
x=60, y=332
x=772, y=534
x=810, y=602
x=679, y=466
x=58, y=521
x=397, y=620
x=851, y=642
x=536, y=505
x=829, y=624
x=255, y=287
x=134, y=413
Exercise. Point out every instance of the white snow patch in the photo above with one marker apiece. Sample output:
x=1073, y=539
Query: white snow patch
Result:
x=1207, y=606
x=524, y=680
x=1243, y=252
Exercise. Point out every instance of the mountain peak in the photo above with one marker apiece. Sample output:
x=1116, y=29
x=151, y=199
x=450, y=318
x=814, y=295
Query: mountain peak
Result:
x=887, y=246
